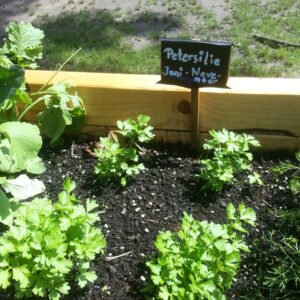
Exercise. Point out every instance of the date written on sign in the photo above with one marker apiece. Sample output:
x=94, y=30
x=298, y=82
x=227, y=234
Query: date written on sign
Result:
x=194, y=63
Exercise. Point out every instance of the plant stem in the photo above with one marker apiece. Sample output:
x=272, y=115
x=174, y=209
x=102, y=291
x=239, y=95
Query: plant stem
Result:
x=28, y=107
x=59, y=69
x=40, y=91
x=24, y=111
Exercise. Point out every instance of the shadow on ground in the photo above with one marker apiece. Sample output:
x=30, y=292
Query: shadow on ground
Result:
x=9, y=9
x=100, y=31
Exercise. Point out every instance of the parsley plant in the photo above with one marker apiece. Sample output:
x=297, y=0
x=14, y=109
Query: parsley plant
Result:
x=201, y=261
x=47, y=242
x=230, y=155
x=118, y=158
x=136, y=131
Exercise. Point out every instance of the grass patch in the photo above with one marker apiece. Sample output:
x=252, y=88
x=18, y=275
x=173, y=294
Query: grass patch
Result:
x=95, y=34
x=107, y=38
x=145, y=61
x=101, y=38
x=278, y=19
x=156, y=34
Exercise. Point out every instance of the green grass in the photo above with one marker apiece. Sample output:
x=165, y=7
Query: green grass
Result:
x=101, y=39
x=278, y=19
x=156, y=34
x=107, y=38
x=148, y=16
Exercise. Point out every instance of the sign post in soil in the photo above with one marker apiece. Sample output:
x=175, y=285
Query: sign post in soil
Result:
x=195, y=64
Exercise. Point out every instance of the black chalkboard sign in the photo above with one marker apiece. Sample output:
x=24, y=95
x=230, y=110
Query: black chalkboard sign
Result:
x=195, y=64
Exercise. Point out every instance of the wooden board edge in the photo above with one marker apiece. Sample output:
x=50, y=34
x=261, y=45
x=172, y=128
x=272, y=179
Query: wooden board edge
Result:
x=268, y=142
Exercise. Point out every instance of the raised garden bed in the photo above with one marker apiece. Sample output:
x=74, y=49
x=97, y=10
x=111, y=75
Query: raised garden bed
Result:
x=47, y=245
x=268, y=108
x=155, y=201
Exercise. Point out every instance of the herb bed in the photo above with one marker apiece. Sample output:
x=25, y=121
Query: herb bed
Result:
x=47, y=245
x=155, y=201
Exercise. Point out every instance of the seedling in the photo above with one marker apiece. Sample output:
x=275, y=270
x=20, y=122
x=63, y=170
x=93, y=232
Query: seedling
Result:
x=230, y=155
x=117, y=154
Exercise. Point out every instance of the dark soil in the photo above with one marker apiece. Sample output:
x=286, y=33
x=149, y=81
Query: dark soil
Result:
x=155, y=201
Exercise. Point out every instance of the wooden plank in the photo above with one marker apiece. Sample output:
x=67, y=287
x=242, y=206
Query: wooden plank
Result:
x=102, y=80
x=106, y=104
x=268, y=142
x=246, y=85
x=166, y=136
x=268, y=106
x=278, y=113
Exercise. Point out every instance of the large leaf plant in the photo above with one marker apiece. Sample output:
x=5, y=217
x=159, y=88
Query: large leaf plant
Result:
x=20, y=142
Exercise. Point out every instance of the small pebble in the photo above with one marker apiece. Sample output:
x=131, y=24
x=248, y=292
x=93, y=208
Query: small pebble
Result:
x=65, y=162
x=170, y=159
x=223, y=203
x=112, y=269
x=180, y=175
x=155, y=172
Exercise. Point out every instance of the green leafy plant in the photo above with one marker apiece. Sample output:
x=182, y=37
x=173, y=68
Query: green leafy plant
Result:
x=201, y=261
x=23, y=45
x=115, y=161
x=4, y=208
x=283, y=275
x=285, y=271
x=230, y=155
x=117, y=156
x=136, y=131
x=19, y=146
x=22, y=187
x=21, y=49
x=63, y=111
x=47, y=244
x=277, y=257
x=285, y=167
x=289, y=221
x=11, y=79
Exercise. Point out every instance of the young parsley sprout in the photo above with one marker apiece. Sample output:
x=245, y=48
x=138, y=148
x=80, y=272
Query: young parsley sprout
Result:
x=230, y=155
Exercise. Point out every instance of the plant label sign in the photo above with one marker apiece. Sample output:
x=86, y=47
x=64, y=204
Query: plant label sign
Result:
x=195, y=64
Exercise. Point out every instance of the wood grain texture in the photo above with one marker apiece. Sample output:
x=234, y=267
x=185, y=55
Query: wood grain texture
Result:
x=267, y=107
x=278, y=113
x=268, y=142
